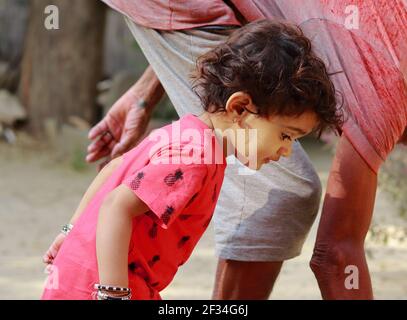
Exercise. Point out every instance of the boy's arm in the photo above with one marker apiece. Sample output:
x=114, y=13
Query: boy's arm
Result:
x=100, y=179
x=113, y=235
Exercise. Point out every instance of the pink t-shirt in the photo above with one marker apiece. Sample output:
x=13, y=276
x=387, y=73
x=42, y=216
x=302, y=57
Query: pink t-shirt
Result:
x=181, y=196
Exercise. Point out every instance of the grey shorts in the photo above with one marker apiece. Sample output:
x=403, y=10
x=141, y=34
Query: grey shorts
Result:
x=260, y=217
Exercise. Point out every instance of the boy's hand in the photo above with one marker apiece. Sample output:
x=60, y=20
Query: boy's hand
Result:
x=52, y=252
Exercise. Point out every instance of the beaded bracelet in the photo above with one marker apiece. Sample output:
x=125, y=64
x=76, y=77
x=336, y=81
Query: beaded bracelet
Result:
x=104, y=296
x=66, y=228
x=111, y=288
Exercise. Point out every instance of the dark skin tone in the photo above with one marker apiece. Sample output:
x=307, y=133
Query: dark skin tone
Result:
x=241, y=280
x=345, y=220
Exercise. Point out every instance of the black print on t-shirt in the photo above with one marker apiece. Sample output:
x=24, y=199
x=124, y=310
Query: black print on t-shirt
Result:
x=135, y=184
x=167, y=214
x=133, y=266
x=153, y=261
x=172, y=178
x=192, y=200
x=184, y=217
x=183, y=241
x=153, y=231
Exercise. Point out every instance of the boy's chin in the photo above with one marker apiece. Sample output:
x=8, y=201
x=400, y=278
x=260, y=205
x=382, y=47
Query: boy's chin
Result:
x=254, y=165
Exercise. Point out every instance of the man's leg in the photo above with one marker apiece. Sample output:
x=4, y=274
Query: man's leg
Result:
x=242, y=280
x=347, y=212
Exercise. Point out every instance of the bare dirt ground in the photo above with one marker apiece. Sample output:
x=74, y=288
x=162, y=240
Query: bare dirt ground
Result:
x=39, y=190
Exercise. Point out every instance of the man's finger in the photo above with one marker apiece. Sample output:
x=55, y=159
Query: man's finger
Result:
x=104, y=152
x=103, y=140
x=95, y=156
x=123, y=146
x=108, y=157
x=98, y=129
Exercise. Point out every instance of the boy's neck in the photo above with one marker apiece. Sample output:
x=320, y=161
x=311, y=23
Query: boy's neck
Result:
x=216, y=122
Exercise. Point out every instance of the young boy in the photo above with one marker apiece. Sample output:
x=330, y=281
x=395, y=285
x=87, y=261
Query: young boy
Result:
x=144, y=213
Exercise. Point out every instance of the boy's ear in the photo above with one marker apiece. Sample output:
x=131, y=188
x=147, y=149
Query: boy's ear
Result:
x=238, y=103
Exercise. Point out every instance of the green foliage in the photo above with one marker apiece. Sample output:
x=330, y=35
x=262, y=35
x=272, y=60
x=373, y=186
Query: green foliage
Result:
x=77, y=160
x=165, y=110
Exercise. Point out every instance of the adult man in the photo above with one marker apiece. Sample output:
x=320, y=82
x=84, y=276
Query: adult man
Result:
x=252, y=238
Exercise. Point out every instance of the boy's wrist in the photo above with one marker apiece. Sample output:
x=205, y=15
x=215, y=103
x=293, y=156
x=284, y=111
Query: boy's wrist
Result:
x=105, y=292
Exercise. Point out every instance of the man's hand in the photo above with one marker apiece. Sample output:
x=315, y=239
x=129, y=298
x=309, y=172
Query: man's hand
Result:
x=127, y=120
x=119, y=131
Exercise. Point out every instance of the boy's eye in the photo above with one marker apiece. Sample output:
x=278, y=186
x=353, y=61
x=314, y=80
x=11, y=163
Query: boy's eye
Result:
x=285, y=136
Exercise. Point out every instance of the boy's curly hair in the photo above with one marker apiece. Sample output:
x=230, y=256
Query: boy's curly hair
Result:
x=274, y=63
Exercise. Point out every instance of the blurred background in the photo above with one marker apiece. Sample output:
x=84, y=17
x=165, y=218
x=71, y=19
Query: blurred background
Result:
x=56, y=84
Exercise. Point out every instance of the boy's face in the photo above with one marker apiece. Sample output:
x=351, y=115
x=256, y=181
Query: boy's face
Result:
x=275, y=136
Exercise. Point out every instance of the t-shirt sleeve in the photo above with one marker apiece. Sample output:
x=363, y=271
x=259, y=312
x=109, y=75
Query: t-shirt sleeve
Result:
x=167, y=188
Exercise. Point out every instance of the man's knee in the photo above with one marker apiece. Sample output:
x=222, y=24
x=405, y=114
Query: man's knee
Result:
x=325, y=259
x=330, y=259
